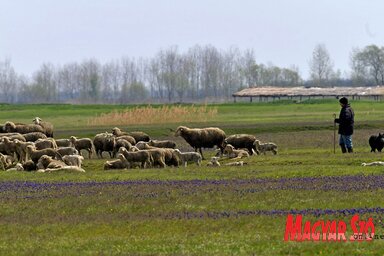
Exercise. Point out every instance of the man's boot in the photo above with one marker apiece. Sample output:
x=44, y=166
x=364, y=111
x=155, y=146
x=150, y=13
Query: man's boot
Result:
x=350, y=150
x=343, y=148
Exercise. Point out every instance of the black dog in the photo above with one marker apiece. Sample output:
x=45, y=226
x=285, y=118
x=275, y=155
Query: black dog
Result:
x=376, y=142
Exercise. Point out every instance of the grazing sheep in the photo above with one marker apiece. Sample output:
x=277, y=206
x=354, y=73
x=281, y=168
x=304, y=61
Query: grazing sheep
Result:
x=104, y=142
x=376, y=142
x=377, y=163
x=138, y=136
x=199, y=138
x=84, y=143
x=35, y=155
x=63, y=143
x=34, y=136
x=162, y=143
x=45, y=143
x=143, y=156
x=186, y=157
x=235, y=153
x=143, y=145
x=264, y=147
x=214, y=162
x=65, y=151
x=48, y=162
x=48, y=127
x=240, y=141
x=22, y=128
x=128, y=138
x=73, y=160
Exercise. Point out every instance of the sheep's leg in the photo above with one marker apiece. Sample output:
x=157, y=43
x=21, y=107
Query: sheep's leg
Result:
x=201, y=153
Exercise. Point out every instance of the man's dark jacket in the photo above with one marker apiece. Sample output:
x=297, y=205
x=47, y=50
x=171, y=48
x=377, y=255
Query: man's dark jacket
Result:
x=346, y=120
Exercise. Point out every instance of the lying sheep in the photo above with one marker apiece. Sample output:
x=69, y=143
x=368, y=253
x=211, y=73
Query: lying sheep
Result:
x=45, y=162
x=22, y=128
x=377, y=163
x=73, y=160
x=83, y=144
x=5, y=161
x=65, y=168
x=235, y=153
x=162, y=143
x=214, y=162
x=264, y=147
x=29, y=166
x=143, y=157
x=116, y=164
x=186, y=157
x=202, y=138
x=63, y=143
x=238, y=163
x=48, y=127
x=18, y=167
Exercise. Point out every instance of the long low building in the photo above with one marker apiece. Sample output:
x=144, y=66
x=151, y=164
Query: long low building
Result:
x=269, y=92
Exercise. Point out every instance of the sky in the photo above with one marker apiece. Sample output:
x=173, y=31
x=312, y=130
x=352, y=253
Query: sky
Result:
x=281, y=32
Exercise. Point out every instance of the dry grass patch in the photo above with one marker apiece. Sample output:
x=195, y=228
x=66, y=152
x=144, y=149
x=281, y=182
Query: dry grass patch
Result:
x=155, y=115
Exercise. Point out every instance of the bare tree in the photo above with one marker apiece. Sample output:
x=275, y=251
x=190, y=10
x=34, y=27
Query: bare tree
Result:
x=8, y=82
x=321, y=65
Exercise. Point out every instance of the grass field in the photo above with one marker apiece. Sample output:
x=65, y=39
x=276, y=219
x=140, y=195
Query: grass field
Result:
x=199, y=210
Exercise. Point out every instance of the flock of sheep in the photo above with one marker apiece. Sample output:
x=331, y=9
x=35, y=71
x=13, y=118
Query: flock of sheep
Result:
x=31, y=147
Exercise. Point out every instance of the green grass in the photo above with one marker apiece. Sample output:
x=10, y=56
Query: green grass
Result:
x=120, y=220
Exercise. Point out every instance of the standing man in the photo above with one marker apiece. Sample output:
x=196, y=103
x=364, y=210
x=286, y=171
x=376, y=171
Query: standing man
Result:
x=345, y=121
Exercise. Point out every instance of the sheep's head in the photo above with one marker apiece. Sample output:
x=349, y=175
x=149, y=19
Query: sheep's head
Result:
x=37, y=120
x=228, y=148
x=121, y=157
x=9, y=126
x=116, y=131
x=256, y=143
x=72, y=139
x=180, y=130
x=122, y=149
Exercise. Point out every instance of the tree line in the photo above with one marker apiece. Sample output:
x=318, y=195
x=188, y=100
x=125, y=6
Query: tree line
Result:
x=202, y=73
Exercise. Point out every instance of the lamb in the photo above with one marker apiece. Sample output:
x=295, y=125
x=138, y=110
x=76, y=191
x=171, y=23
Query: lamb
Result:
x=235, y=153
x=241, y=141
x=116, y=164
x=143, y=156
x=63, y=143
x=376, y=142
x=10, y=147
x=73, y=160
x=45, y=143
x=21, y=149
x=138, y=136
x=104, y=142
x=199, y=138
x=84, y=143
x=22, y=128
x=48, y=127
x=264, y=147
x=34, y=136
x=35, y=155
x=65, y=168
x=162, y=143
x=186, y=157
x=214, y=162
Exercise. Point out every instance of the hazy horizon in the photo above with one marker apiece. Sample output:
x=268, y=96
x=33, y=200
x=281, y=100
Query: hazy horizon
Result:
x=283, y=33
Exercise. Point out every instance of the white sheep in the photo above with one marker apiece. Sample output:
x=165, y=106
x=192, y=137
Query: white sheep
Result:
x=84, y=143
x=186, y=157
x=235, y=153
x=73, y=160
x=214, y=162
x=264, y=147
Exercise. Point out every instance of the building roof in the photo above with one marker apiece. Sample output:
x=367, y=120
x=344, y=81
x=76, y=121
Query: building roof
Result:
x=309, y=91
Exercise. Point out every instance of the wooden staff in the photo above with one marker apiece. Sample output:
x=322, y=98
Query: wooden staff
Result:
x=334, y=134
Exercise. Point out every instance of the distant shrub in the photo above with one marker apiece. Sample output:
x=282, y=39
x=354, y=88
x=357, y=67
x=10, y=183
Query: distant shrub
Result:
x=155, y=115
